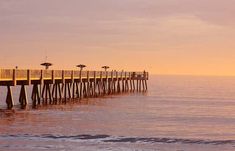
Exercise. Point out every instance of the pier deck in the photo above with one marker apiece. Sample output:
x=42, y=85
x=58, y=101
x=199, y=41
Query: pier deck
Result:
x=60, y=85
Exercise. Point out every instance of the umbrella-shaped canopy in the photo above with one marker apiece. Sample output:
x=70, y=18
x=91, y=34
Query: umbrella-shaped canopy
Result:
x=105, y=67
x=46, y=64
x=81, y=66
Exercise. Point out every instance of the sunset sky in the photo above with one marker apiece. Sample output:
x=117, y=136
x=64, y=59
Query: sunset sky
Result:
x=162, y=36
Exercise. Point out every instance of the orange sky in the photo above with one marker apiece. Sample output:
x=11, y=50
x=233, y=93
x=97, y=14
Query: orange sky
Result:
x=161, y=36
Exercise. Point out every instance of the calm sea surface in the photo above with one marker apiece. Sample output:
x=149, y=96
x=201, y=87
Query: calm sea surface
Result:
x=178, y=113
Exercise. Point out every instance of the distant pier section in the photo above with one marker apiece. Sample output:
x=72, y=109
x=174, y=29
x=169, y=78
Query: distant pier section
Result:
x=53, y=86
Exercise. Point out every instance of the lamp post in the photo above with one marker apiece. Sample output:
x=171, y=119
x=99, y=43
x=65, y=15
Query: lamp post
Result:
x=81, y=66
x=105, y=69
x=106, y=81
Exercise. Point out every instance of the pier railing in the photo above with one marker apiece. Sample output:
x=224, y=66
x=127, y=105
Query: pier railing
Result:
x=21, y=74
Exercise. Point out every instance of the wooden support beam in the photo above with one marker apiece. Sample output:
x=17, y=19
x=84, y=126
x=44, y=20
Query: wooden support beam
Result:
x=9, y=98
x=140, y=85
x=88, y=84
x=65, y=92
x=99, y=87
x=91, y=89
x=95, y=83
x=101, y=83
x=28, y=77
x=146, y=85
x=69, y=90
x=41, y=82
x=111, y=83
x=53, y=76
x=63, y=77
x=56, y=93
x=126, y=82
x=14, y=77
x=60, y=90
x=133, y=83
x=137, y=85
x=23, y=97
x=121, y=83
x=74, y=90
x=42, y=77
x=55, y=97
x=53, y=90
x=143, y=87
x=115, y=81
x=81, y=92
x=84, y=89
x=46, y=93
x=77, y=90
x=43, y=92
x=35, y=96
x=72, y=76
x=118, y=85
x=130, y=80
x=48, y=88
x=104, y=83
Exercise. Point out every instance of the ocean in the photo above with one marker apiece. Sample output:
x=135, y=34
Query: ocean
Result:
x=177, y=113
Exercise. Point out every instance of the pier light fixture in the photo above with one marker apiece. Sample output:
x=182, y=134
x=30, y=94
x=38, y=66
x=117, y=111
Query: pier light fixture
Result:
x=105, y=67
x=81, y=66
x=46, y=65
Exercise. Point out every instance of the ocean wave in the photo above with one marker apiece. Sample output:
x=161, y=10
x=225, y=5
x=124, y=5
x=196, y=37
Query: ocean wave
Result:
x=122, y=139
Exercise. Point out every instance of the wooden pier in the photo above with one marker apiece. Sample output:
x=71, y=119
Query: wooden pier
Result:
x=51, y=86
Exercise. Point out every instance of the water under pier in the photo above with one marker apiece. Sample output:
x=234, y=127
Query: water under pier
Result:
x=51, y=86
